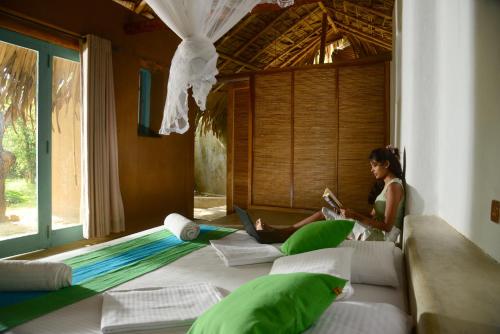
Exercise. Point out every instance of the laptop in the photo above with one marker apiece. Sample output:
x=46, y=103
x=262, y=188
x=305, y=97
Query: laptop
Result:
x=247, y=222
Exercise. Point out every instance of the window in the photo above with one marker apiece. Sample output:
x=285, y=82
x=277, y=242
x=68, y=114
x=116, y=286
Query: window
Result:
x=40, y=120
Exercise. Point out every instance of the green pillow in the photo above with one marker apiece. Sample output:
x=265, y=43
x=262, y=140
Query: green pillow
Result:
x=317, y=235
x=282, y=303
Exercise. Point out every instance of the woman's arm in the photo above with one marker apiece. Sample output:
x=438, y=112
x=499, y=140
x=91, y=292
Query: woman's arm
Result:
x=393, y=196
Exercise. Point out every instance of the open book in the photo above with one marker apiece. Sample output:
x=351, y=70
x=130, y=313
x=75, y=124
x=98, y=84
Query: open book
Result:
x=330, y=198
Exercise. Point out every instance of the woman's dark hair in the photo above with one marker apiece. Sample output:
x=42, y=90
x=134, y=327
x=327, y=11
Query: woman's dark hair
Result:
x=382, y=155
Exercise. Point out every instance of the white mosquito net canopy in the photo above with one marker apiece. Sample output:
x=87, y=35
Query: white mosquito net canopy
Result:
x=200, y=23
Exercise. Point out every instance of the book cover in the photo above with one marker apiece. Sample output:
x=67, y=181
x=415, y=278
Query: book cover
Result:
x=331, y=199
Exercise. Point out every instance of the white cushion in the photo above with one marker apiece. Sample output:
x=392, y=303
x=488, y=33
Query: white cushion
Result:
x=372, y=262
x=23, y=275
x=239, y=249
x=360, y=317
x=332, y=261
x=156, y=308
x=181, y=227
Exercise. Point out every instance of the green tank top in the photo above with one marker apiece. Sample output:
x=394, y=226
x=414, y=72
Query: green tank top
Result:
x=379, y=207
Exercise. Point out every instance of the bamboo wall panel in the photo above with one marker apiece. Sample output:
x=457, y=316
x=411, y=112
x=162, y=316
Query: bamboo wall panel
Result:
x=362, y=110
x=271, y=181
x=355, y=182
x=315, y=136
x=362, y=119
x=241, y=98
x=311, y=128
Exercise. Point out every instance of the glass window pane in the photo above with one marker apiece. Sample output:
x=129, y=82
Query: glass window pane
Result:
x=66, y=120
x=18, y=133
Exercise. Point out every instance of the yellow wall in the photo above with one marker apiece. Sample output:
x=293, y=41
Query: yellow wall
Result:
x=65, y=148
x=156, y=174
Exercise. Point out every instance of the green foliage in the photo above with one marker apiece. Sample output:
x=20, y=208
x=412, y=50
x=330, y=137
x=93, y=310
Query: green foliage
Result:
x=14, y=197
x=20, y=139
x=19, y=193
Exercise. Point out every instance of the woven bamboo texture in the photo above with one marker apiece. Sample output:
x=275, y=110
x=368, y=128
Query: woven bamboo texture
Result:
x=272, y=150
x=274, y=37
x=355, y=181
x=326, y=125
x=315, y=136
x=362, y=128
x=240, y=166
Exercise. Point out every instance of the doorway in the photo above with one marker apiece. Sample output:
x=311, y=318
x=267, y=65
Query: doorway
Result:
x=210, y=159
x=40, y=119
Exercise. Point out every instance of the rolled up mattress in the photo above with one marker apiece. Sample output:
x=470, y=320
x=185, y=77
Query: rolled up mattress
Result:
x=21, y=275
x=182, y=227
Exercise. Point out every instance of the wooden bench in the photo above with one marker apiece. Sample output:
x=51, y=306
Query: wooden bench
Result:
x=454, y=287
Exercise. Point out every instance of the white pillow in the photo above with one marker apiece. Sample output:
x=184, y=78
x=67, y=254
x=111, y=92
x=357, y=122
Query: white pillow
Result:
x=332, y=261
x=361, y=317
x=372, y=262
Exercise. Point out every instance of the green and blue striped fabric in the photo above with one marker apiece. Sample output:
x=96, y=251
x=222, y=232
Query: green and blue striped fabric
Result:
x=103, y=269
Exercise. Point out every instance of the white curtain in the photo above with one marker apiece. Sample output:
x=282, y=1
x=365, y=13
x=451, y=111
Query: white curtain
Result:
x=199, y=23
x=101, y=205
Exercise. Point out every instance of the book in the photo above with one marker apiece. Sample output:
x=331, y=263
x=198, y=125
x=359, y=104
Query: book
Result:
x=331, y=199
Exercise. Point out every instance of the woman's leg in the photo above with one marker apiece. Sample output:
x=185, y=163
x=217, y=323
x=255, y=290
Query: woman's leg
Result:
x=312, y=218
x=275, y=235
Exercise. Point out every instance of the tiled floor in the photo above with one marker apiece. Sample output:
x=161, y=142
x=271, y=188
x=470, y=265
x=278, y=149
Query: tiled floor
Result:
x=209, y=208
x=210, y=214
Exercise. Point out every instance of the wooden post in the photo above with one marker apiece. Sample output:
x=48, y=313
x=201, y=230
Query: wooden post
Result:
x=323, y=40
x=230, y=152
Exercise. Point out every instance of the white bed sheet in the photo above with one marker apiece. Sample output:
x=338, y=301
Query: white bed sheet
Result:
x=203, y=265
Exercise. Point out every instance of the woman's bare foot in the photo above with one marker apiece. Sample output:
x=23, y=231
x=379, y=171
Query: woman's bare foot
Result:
x=261, y=226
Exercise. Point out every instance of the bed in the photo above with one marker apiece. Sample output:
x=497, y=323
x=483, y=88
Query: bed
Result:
x=202, y=265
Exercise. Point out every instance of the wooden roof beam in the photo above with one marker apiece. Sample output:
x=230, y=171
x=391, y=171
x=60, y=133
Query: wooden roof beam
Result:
x=388, y=32
x=330, y=19
x=285, y=37
x=254, y=38
x=130, y=5
x=323, y=39
x=355, y=45
x=138, y=9
x=364, y=46
x=306, y=40
x=268, y=7
x=237, y=61
x=295, y=25
x=300, y=54
x=306, y=53
x=363, y=36
x=368, y=9
x=297, y=16
x=272, y=42
x=236, y=30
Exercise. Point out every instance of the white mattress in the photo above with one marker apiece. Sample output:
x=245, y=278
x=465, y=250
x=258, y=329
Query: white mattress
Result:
x=200, y=266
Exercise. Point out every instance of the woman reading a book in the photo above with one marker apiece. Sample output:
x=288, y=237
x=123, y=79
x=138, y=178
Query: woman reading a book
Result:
x=387, y=197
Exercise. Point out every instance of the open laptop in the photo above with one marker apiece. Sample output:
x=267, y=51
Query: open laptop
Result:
x=247, y=222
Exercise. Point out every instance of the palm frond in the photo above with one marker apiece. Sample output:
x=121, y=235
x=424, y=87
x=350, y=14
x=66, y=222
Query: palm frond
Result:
x=214, y=118
x=18, y=84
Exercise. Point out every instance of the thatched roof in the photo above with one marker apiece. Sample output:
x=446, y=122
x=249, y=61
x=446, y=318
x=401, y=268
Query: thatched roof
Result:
x=271, y=37
x=18, y=84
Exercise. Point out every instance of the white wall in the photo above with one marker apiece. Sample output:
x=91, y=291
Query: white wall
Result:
x=449, y=116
